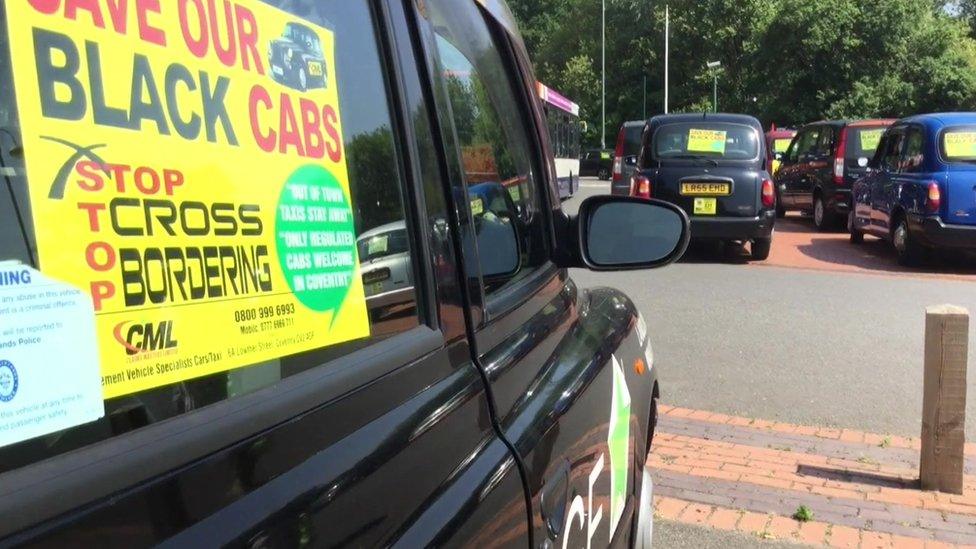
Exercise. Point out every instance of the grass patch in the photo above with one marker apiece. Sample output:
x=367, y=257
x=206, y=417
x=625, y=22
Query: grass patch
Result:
x=803, y=514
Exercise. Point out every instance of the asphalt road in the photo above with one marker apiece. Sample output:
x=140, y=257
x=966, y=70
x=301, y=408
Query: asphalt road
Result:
x=816, y=347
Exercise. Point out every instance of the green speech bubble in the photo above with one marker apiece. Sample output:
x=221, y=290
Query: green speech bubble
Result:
x=315, y=235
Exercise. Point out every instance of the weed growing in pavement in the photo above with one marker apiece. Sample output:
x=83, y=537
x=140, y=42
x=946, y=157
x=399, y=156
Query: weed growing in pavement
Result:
x=803, y=514
x=885, y=442
x=866, y=460
x=780, y=447
x=668, y=459
x=765, y=534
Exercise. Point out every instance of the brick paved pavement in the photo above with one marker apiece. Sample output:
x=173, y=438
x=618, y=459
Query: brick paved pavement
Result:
x=735, y=473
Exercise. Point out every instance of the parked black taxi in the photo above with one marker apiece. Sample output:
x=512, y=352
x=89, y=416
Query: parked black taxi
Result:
x=714, y=167
x=187, y=352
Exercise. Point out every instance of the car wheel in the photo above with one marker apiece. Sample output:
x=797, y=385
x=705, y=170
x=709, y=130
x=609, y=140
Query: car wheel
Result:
x=821, y=219
x=302, y=79
x=760, y=248
x=644, y=525
x=780, y=208
x=910, y=253
x=604, y=174
x=857, y=236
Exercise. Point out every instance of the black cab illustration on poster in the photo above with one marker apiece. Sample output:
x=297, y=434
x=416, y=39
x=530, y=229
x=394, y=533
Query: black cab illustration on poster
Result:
x=297, y=60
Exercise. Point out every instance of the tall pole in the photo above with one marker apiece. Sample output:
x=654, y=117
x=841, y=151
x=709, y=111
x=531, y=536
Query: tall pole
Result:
x=667, y=53
x=603, y=117
x=645, y=97
x=715, y=93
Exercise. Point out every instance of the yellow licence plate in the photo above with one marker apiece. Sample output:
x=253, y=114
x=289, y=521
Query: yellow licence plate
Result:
x=706, y=189
x=315, y=69
x=706, y=206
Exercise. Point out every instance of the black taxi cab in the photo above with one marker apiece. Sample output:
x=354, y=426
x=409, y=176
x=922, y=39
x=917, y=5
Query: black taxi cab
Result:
x=189, y=351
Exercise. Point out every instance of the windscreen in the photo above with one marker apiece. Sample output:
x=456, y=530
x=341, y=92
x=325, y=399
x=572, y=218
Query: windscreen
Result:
x=712, y=140
x=383, y=245
x=959, y=144
x=862, y=141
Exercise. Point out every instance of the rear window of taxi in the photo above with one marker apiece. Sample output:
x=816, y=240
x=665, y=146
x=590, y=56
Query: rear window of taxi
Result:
x=862, y=141
x=958, y=144
x=712, y=140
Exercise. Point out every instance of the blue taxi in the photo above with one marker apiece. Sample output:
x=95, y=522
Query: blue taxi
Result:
x=920, y=191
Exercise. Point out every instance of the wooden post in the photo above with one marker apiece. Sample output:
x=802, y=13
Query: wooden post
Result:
x=944, y=398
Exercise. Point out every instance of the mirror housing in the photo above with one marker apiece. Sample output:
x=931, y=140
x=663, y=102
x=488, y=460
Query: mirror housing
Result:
x=622, y=233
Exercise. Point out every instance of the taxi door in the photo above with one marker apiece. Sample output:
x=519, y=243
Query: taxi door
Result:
x=559, y=361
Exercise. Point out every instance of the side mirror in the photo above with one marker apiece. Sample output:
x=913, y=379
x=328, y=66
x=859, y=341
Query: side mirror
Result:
x=619, y=233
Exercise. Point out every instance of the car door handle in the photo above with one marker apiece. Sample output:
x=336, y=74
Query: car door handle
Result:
x=555, y=494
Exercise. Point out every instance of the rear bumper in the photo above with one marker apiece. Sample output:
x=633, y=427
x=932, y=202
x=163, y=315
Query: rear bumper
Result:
x=733, y=228
x=620, y=187
x=931, y=231
x=840, y=202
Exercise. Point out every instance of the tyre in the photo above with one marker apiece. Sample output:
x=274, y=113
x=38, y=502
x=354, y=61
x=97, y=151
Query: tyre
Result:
x=644, y=525
x=302, y=79
x=603, y=175
x=760, y=248
x=822, y=219
x=857, y=236
x=780, y=209
x=910, y=252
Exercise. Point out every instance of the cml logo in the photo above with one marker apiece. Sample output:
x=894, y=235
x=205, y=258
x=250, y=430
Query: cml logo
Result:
x=8, y=381
x=143, y=338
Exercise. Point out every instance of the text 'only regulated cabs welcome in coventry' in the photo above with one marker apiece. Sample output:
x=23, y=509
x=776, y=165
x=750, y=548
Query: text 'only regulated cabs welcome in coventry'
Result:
x=253, y=292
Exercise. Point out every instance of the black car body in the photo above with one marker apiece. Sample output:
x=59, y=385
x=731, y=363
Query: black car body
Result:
x=296, y=58
x=596, y=163
x=494, y=403
x=625, y=155
x=823, y=162
x=714, y=167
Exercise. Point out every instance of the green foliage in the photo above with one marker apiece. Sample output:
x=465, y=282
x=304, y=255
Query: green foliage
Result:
x=371, y=169
x=785, y=61
x=803, y=514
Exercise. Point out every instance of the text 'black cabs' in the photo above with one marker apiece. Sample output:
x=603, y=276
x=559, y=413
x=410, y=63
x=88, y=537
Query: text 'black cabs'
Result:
x=252, y=294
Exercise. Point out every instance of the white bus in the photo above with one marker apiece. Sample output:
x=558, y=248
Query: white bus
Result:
x=564, y=135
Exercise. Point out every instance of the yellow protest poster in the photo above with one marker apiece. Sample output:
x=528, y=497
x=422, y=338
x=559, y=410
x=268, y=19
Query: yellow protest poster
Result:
x=960, y=144
x=186, y=168
x=706, y=141
x=870, y=139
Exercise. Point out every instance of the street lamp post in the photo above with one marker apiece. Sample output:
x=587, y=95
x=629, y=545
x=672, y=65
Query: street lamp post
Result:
x=714, y=67
x=603, y=116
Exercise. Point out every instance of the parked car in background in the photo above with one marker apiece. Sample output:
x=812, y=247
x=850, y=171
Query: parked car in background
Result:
x=262, y=401
x=711, y=166
x=777, y=141
x=821, y=164
x=921, y=190
x=625, y=155
x=596, y=163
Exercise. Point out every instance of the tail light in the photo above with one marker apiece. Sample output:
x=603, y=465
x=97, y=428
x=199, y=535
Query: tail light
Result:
x=768, y=194
x=618, y=157
x=934, y=199
x=839, y=157
x=640, y=186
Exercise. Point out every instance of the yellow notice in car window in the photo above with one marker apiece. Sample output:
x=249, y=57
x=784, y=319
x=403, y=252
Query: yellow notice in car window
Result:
x=870, y=139
x=706, y=141
x=960, y=144
x=192, y=181
x=781, y=145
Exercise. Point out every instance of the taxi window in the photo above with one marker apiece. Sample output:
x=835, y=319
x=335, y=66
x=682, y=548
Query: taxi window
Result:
x=862, y=142
x=217, y=220
x=494, y=144
x=959, y=144
x=715, y=140
x=781, y=145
